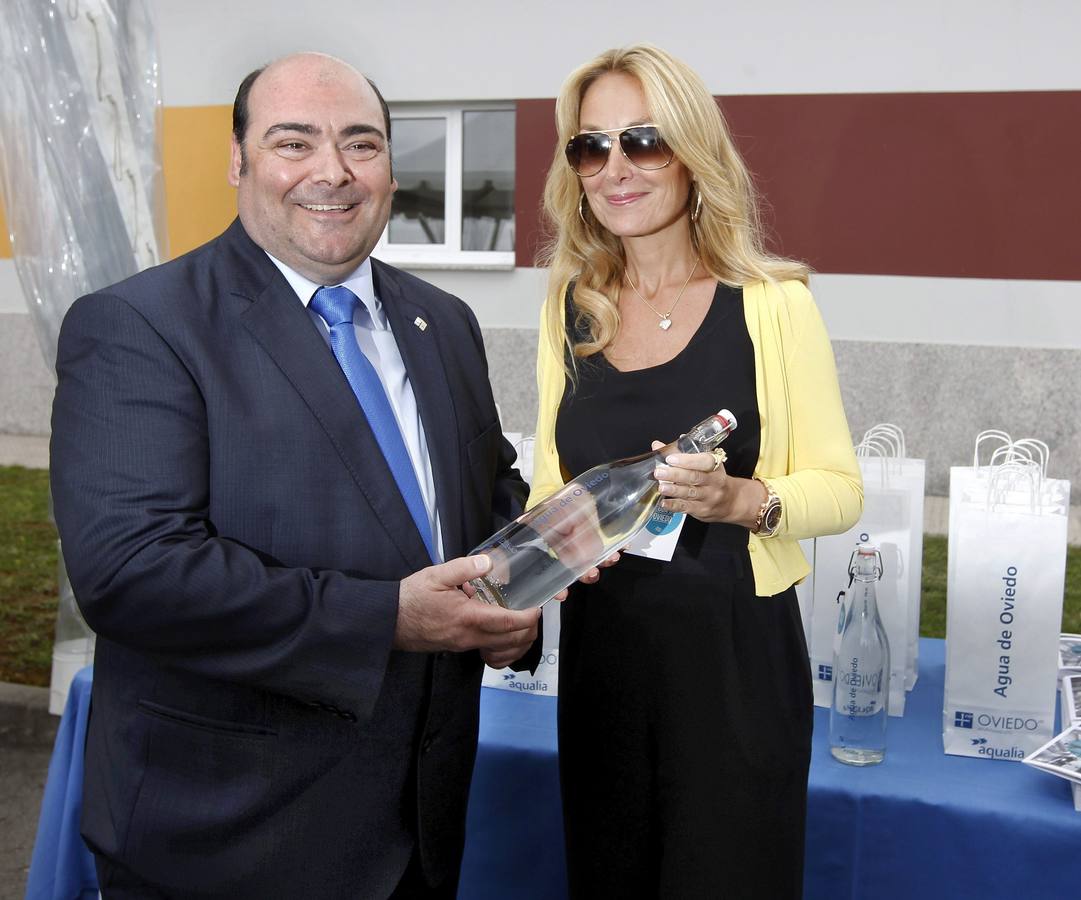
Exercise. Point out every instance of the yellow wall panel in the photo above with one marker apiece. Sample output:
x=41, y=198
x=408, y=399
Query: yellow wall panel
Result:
x=199, y=202
x=5, y=244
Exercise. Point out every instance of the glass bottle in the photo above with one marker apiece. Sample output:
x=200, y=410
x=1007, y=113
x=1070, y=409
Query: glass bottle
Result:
x=582, y=524
x=861, y=668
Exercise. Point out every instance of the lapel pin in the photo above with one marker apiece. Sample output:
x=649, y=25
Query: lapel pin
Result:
x=420, y=323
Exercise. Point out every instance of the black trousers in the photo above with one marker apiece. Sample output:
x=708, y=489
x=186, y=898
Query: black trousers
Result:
x=685, y=716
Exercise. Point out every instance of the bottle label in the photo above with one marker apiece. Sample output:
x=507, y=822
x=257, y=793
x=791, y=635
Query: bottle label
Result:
x=659, y=537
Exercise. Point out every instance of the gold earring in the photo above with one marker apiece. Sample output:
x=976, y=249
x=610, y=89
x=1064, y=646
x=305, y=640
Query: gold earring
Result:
x=697, y=208
x=582, y=212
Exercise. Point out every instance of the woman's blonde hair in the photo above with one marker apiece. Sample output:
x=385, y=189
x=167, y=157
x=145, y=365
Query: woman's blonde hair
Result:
x=727, y=234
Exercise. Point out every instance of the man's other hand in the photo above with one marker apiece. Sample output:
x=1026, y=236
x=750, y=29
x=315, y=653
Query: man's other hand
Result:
x=437, y=611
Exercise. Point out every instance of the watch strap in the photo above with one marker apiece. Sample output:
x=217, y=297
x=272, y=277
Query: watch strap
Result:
x=771, y=502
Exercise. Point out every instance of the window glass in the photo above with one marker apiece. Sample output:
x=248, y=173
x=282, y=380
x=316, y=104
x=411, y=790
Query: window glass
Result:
x=419, y=152
x=487, y=180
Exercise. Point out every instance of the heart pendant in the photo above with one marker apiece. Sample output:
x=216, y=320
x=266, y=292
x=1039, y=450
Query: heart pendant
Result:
x=664, y=324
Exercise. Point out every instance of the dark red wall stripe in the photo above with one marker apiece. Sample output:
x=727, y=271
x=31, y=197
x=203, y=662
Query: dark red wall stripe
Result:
x=963, y=184
x=534, y=144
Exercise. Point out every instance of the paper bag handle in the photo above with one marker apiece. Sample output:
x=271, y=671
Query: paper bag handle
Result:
x=1005, y=477
x=889, y=433
x=991, y=434
x=1028, y=446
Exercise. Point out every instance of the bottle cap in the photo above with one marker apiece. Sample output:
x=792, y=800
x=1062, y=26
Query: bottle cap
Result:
x=728, y=418
x=866, y=560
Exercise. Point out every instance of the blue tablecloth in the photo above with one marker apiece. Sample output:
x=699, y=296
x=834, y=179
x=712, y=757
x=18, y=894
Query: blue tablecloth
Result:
x=61, y=866
x=921, y=825
x=927, y=825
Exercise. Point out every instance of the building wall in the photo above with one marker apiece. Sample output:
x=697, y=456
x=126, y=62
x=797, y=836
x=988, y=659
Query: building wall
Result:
x=922, y=158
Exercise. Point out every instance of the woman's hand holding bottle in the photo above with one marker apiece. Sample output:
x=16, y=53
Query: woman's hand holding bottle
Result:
x=697, y=484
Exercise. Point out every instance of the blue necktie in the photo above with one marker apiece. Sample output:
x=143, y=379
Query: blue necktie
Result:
x=336, y=305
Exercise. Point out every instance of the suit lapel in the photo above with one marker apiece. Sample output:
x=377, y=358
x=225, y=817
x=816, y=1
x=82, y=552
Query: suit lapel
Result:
x=429, y=379
x=281, y=325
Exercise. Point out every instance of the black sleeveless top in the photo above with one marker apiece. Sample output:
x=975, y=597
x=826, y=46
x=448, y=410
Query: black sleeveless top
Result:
x=611, y=414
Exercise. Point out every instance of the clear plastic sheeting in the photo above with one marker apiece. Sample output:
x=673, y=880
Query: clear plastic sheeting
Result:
x=80, y=155
x=80, y=119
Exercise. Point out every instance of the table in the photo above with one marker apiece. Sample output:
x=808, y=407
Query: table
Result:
x=921, y=825
x=927, y=825
x=61, y=866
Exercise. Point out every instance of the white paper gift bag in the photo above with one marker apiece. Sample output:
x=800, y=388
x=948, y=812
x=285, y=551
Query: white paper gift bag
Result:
x=546, y=679
x=892, y=519
x=884, y=524
x=907, y=475
x=1005, y=577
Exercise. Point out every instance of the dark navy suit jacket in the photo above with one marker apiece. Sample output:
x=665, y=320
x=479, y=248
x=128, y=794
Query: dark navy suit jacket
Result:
x=236, y=539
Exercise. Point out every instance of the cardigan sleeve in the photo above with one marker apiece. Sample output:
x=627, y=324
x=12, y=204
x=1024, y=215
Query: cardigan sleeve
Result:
x=821, y=489
x=551, y=382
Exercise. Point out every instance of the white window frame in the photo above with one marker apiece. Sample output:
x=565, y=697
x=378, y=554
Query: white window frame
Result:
x=449, y=254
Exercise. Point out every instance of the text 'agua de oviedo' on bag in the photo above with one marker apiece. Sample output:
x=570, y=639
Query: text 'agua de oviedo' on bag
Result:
x=1005, y=578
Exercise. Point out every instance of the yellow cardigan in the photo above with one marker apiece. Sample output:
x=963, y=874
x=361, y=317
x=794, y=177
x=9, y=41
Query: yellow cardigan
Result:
x=806, y=450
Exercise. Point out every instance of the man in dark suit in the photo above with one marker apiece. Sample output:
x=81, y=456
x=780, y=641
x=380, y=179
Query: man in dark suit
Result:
x=286, y=686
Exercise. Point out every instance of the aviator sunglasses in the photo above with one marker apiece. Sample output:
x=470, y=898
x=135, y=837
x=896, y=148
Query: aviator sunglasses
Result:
x=642, y=145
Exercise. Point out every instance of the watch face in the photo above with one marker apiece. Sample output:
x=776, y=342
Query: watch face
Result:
x=772, y=518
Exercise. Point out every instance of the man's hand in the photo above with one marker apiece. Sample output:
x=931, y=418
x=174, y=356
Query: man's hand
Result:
x=437, y=611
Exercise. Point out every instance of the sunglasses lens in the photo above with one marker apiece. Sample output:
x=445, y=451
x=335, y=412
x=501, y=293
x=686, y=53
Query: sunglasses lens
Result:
x=644, y=146
x=587, y=153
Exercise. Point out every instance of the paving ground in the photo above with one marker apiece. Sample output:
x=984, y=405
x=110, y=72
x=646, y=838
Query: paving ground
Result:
x=27, y=732
x=24, y=450
x=22, y=780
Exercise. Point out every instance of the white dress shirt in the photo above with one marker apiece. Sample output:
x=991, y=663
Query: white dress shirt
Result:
x=377, y=343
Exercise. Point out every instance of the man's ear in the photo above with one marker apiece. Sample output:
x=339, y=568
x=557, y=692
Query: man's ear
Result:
x=236, y=161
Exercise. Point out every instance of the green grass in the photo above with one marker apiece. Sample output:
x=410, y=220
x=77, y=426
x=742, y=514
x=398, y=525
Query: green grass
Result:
x=933, y=596
x=28, y=572
x=933, y=602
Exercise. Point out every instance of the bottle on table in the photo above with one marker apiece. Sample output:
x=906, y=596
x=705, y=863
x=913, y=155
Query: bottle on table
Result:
x=861, y=668
x=582, y=524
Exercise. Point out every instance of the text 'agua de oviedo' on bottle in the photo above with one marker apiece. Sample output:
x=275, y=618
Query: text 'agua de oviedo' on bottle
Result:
x=861, y=668
x=583, y=523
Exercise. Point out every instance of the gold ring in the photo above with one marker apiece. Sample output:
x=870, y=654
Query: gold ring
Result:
x=719, y=456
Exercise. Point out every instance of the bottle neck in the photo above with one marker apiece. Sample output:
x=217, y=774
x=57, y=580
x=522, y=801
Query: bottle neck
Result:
x=866, y=568
x=706, y=435
x=866, y=596
x=696, y=442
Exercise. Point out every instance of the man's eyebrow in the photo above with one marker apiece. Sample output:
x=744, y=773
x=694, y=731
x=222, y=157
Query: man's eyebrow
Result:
x=354, y=130
x=304, y=128
x=299, y=127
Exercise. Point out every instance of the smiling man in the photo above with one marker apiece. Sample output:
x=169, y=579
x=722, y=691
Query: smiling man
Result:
x=314, y=191
x=268, y=458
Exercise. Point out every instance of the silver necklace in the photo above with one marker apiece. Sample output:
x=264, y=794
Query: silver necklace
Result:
x=665, y=318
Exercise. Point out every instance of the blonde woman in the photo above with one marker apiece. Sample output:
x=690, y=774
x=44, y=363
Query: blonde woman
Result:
x=685, y=696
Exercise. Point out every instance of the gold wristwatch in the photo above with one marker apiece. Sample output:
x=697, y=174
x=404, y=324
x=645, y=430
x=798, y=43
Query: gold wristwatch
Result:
x=768, y=519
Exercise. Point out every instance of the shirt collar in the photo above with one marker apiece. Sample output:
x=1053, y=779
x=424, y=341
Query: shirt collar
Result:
x=360, y=282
